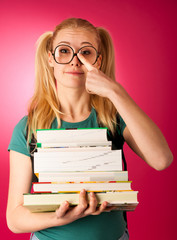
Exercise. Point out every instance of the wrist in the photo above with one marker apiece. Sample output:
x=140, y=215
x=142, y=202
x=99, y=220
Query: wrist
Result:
x=60, y=221
x=114, y=91
x=119, y=97
x=55, y=221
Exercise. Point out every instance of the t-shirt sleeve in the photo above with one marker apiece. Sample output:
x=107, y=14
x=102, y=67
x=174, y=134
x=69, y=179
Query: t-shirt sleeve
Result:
x=18, y=141
x=122, y=125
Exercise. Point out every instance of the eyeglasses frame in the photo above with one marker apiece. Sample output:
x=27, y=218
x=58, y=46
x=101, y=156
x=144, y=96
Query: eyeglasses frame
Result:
x=75, y=54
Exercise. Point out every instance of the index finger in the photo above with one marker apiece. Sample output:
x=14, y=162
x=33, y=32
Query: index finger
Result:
x=85, y=62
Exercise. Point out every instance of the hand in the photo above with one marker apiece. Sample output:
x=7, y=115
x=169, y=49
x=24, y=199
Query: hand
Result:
x=66, y=215
x=96, y=81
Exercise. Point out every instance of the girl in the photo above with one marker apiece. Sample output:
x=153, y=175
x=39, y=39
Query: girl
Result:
x=76, y=88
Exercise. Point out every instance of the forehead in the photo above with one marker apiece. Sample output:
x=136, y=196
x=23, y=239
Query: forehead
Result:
x=75, y=37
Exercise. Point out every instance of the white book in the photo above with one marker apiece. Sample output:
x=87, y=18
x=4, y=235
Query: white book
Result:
x=78, y=161
x=55, y=166
x=108, y=155
x=71, y=135
x=77, y=187
x=82, y=176
x=74, y=144
x=50, y=202
x=70, y=149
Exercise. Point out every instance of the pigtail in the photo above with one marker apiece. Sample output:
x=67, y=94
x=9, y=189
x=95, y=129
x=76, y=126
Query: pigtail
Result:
x=42, y=68
x=107, y=52
x=44, y=105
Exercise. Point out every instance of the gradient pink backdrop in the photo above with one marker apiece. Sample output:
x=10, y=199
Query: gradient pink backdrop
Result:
x=145, y=38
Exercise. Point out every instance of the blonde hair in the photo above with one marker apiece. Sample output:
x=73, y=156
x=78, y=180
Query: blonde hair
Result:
x=44, y=106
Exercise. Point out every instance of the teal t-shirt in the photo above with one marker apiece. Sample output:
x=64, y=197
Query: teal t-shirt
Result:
x=106, y=226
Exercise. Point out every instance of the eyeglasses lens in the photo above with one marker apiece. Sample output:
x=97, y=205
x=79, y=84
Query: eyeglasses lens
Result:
x=89, y=53
x=63, y=54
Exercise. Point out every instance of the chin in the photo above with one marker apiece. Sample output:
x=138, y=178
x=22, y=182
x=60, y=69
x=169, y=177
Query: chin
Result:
x=75, y=82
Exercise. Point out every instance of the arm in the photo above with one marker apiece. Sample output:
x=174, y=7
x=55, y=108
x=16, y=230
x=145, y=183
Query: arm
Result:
x=141, y=133
x=20, y=219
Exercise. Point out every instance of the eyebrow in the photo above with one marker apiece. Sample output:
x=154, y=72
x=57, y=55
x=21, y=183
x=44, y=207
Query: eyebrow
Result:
x=70, y=44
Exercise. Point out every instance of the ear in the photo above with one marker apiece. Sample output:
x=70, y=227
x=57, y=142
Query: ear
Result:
x=50, y=59
x=98, y=63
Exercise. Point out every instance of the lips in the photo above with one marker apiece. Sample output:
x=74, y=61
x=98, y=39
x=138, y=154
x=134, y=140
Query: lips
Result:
x=75, y=73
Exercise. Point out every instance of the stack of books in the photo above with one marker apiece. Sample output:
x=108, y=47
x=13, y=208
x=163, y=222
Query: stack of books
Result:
x=69, y=160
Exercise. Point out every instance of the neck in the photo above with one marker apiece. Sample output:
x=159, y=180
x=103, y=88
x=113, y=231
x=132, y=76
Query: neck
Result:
x=74, y=104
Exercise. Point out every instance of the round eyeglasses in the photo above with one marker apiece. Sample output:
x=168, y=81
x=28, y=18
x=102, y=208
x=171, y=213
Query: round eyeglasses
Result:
x=64, y=54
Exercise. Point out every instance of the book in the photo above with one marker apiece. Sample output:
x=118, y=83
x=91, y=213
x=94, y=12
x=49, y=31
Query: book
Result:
x=77, y=187
x=82, y=176
x=73, y=149
x=78, y=145
x=50, y=202
x=76, y=136
x=110, y=160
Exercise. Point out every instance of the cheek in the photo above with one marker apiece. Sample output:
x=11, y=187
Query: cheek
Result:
x=58, y=73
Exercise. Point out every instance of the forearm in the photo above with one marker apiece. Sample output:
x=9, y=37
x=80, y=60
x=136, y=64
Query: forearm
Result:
x=21, y=220
x=146, y=134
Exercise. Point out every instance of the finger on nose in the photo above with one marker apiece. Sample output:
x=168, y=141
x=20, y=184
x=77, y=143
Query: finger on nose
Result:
x=85, y=62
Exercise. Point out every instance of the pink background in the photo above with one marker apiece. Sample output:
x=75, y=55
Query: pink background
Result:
x=145, y=38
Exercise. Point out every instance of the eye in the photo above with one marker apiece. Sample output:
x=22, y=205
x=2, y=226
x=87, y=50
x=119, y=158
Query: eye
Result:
x=85, y=52
x=64, y=50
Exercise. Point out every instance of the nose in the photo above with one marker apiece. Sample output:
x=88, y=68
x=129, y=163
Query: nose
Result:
x=75, y=61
